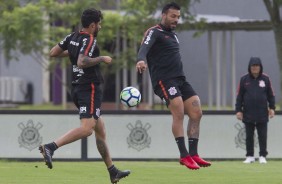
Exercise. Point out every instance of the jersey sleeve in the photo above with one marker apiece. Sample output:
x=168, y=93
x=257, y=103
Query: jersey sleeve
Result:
x=239, y=98
x=64, y=43
x=88, y=45
x=149, y=39
x=270, y=95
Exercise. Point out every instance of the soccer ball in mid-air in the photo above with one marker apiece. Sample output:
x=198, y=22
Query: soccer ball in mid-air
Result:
x=130, y=96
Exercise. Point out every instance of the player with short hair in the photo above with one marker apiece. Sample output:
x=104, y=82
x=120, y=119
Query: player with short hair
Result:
x=160, y=50
x=82, y=49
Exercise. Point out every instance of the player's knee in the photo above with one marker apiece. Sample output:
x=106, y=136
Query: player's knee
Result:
x=87, y=131
x=178, y=116
x=100, y=133
x=199, y=114
x=196, y=116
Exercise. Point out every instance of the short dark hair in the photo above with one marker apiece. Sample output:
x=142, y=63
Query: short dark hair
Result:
x=171, y=5
x=89, y=16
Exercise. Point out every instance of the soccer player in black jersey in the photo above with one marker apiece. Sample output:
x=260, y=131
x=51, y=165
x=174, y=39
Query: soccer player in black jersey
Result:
x=82, y=49
x=160, y=51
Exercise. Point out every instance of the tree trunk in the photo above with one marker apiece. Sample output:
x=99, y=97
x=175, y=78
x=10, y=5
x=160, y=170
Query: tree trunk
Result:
x=278, y=40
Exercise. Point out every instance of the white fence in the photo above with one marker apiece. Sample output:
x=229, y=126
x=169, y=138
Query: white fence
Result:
x=13, y=90
x=130, y=136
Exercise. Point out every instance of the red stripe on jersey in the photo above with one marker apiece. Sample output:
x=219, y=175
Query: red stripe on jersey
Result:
x=89, y=45
x=163, y=89
x=271, y=88
x=149, y=30
x=92, y=98
x=238, y=89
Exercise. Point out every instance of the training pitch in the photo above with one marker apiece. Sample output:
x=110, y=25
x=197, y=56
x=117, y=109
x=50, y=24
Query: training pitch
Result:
x=151, y=172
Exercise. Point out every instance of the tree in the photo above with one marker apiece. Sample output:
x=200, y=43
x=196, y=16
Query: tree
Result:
x=32, y=28
x=273, y=9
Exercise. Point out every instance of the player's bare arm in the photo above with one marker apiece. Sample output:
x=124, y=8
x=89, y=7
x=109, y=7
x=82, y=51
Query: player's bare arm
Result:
x=57, y=51
x=85, y=61
x=141, y=66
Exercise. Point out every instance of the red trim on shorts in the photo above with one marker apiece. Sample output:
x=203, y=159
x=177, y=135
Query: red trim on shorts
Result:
x=163, y=89
x=89, y=45
x=92, y=98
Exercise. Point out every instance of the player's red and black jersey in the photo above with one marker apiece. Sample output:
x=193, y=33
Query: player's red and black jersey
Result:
x=160, y=48
x=82, y=43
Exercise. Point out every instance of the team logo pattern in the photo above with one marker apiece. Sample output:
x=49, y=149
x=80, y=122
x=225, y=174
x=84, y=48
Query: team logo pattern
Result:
x=261, y=83
x=98, y=112
x=172, y=91
x=240, y=139
x=138, y=138
x=148, y=38
x=30, y=137
x=82, y=110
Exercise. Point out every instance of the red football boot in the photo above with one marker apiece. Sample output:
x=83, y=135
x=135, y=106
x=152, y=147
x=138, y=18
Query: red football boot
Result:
x=189, y=163
x=201, y=162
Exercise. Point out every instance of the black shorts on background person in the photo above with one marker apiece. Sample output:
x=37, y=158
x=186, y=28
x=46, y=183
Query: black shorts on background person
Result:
x=255, y=104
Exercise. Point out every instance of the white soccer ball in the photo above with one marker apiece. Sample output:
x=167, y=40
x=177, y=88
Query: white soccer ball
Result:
x=130, y=96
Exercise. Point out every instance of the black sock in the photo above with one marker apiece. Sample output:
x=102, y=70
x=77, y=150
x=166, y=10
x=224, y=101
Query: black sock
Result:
x=53, y=146
x=112, y=170
x=193, y=146
x=181, y=146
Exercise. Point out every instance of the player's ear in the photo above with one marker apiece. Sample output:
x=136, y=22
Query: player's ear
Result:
x=92, y=25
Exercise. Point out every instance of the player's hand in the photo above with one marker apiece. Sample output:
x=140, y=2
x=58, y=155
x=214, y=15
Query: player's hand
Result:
x=141, y=66
x=271, y=113
x=239, y=116
x=107, y=59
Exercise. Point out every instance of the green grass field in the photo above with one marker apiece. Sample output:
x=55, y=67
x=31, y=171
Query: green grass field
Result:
x=221, y=172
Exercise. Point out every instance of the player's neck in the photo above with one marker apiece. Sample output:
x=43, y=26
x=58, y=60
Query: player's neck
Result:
x=255, y=75
x=165, y=27
x=86, y=30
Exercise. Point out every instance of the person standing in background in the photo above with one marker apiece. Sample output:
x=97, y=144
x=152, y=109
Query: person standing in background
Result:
x=255, y=104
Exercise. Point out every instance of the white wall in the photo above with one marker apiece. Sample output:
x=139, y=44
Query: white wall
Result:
x=130, y=136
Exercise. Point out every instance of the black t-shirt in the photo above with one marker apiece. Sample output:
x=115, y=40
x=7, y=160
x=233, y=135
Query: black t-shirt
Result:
x=86, y=44
x=160, y=48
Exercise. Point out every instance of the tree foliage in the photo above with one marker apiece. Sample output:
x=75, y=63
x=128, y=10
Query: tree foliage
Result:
x=32, y=27
x=21, y=29
x=7, y=5
x=25, y=28
x=144, y=8
x=148, y=13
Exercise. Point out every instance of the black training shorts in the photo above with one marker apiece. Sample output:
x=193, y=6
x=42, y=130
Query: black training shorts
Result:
x=88, y=99
x=171, y=88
